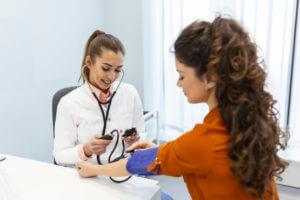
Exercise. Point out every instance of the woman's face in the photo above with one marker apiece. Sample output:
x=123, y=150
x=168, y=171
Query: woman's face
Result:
x=195, y=89
x=105, y=69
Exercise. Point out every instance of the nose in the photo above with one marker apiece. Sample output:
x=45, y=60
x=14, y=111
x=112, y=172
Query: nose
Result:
x=112, y=76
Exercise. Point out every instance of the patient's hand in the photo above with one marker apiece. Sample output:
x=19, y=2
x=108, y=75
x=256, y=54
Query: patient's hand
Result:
x=87, y=169
x=141, y=145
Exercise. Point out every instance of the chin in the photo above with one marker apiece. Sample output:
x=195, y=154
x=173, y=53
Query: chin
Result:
x=193, y=101
x=103, y=87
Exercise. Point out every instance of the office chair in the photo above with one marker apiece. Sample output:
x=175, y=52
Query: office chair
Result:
x=55, y=100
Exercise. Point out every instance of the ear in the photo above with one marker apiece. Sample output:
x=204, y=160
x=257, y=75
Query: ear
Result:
x=88, y=61
x=210, y=83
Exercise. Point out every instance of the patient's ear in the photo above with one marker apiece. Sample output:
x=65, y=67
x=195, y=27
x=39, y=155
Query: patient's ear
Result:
x=210, y=82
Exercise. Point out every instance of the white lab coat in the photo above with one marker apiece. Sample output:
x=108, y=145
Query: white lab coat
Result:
x=79, y=119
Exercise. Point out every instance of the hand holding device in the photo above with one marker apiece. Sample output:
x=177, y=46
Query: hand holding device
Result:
x=106, y=137
x=129, y=132
x=131, y=136
x=96, y=145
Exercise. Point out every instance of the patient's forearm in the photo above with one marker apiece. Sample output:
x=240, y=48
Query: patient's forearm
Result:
x=114, y=169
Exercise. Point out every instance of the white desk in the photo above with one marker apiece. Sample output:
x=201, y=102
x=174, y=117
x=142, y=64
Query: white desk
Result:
x=34, y=180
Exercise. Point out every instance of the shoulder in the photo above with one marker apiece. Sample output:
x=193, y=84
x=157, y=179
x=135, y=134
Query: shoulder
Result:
x=127, y=89
x=73, y=96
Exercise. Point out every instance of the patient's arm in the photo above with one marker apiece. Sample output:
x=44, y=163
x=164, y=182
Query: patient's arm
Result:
x=137, y=164
x=87, y=169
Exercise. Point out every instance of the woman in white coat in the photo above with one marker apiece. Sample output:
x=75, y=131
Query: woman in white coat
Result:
x=82, y=120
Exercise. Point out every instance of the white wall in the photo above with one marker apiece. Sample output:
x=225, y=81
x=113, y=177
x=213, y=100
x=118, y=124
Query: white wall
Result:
x=152, y=54
x=41, y=48
x=124, y=19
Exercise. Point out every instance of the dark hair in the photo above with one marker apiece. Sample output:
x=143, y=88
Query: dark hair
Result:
x=98, y=41
x=223, y=49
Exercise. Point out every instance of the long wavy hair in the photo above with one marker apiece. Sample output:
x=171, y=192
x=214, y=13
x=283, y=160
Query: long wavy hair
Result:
x=223, y=49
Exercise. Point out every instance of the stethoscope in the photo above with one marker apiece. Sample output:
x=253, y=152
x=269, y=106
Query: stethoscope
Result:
x=110, y=136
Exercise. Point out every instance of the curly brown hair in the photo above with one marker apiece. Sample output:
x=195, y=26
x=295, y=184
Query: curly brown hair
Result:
x=223, y=49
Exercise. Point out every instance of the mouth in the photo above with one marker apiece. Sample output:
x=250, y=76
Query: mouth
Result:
x=107, y=83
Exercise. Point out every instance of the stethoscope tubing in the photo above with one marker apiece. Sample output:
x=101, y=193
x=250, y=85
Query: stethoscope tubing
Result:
x=105, y=118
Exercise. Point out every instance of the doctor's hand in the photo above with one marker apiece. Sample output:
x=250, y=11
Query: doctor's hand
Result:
x=141, y=145
x=95, y=146
x=87, y=169
x=132, y=138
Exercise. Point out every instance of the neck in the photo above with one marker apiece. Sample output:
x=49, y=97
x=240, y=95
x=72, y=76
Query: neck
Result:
x=212, y=101
x=105, y=91
x=212, y=105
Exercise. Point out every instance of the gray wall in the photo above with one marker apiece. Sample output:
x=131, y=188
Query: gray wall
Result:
x=124, y=19
x=41, y=47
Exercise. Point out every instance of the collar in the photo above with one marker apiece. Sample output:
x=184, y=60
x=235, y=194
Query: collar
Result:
x=101, y=95
x=212, y=116
x=89, y=91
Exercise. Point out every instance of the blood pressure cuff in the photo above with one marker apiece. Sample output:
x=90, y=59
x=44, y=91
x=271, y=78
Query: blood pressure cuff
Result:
x=140, y=160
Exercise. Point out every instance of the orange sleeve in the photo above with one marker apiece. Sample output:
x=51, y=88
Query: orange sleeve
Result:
x=190, y=153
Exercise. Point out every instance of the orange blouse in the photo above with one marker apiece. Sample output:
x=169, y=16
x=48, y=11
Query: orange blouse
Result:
x=201, y=157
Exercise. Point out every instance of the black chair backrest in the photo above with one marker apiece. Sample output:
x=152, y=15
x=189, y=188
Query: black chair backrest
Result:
x=55, y=100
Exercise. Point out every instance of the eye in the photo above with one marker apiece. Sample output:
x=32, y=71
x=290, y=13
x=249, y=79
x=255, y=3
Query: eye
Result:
x=105, y=68
x=180, y=78
x=117, y=70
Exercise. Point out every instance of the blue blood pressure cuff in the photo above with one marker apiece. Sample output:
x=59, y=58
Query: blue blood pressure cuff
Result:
x=140, y=160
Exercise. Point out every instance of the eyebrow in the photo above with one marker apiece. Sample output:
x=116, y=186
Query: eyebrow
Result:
x=179, y=71
x=112, y=66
